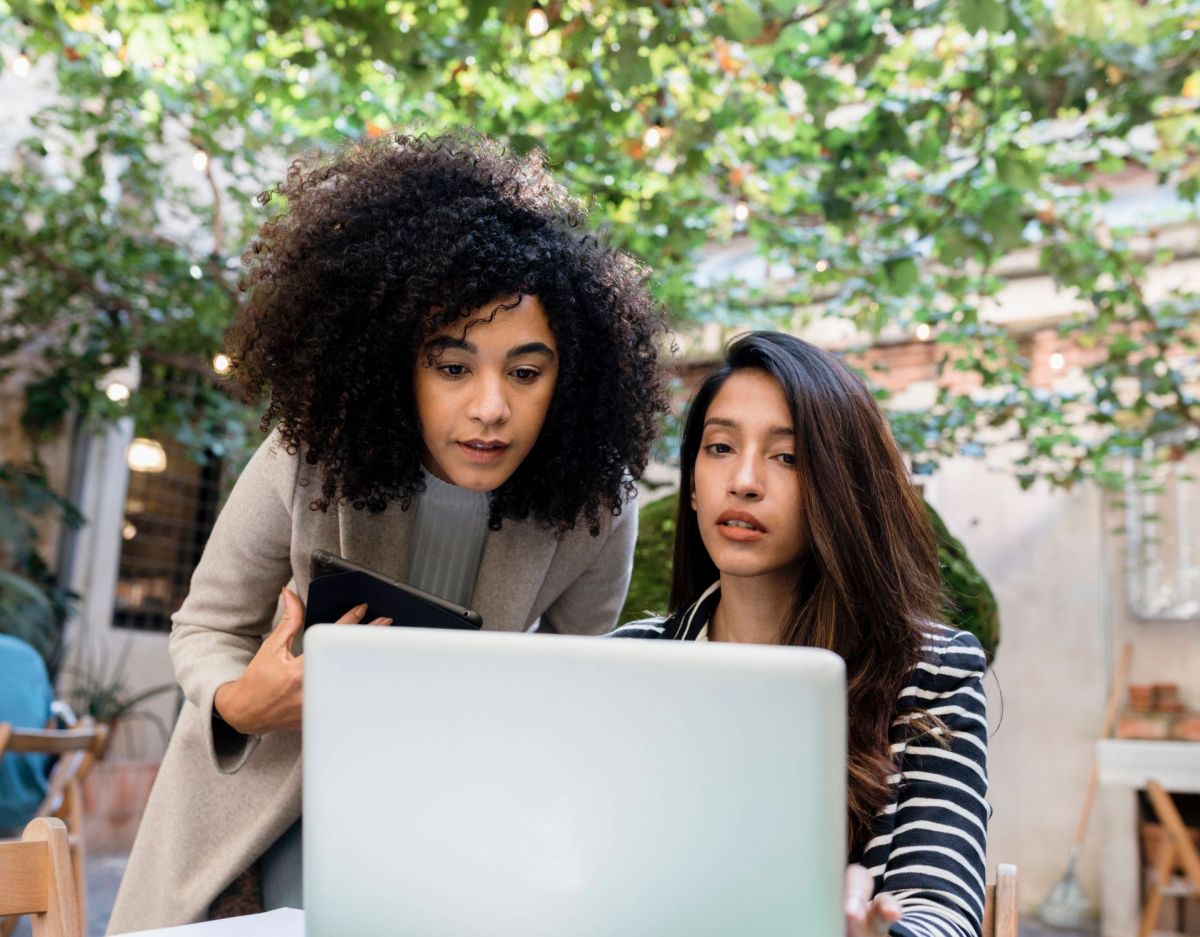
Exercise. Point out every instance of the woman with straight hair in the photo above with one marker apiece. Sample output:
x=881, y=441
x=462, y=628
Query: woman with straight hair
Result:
x=798, y=525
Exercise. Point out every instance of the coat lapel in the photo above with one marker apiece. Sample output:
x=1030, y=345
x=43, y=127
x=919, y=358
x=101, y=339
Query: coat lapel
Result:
x=515, y=561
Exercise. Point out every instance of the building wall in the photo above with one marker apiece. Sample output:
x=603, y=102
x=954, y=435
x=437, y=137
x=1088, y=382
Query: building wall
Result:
x=1055, y=561
x=1043, y=553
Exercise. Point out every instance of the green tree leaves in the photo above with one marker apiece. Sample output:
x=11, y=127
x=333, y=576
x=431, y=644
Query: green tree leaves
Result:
x=873, y=160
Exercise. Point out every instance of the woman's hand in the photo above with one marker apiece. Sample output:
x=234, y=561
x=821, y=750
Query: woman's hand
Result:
x=867, y=916
x=268, y=695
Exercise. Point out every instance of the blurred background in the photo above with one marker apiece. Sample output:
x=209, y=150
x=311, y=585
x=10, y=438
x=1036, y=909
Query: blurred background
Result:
x=987, y=206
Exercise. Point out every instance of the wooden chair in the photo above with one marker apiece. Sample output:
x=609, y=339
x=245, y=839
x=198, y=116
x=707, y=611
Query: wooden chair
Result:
x=1000, y=903
x=77, y=749
x=1176, y=853
x=35, y=879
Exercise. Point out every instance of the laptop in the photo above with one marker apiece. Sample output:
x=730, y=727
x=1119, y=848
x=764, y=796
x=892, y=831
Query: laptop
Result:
x=467, y=784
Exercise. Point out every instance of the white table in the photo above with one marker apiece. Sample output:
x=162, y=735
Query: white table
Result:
x=1125, y=766
x=287, y=922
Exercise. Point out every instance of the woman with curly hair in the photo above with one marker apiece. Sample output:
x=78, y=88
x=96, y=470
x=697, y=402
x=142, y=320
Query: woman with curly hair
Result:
x=464, y=383
x=797, y=525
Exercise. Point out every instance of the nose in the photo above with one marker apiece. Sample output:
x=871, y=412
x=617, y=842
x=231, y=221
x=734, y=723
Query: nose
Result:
x=746, y=479
x=489, y=404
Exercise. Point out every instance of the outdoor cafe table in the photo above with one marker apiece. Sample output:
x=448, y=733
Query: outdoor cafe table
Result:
x=286, y=922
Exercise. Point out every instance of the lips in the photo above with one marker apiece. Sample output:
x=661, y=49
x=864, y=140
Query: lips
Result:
x=740, y=526
x=483, y=451
x=741, y=519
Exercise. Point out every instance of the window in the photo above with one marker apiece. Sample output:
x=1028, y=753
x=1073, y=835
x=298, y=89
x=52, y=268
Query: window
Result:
x=1163, y=532
x=170, y=508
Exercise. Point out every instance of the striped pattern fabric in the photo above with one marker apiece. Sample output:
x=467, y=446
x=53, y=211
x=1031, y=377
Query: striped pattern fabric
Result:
x=448, y=537
x=929, y=843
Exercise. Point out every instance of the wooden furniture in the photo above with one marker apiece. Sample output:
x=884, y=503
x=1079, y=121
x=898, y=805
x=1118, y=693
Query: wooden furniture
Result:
x=36, y=879
x=77, y=749
x=1176, y=852
x=1000, y=903
x=1125, y=768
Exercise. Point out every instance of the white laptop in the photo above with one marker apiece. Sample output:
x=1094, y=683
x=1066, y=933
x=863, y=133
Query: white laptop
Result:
x=466, y=784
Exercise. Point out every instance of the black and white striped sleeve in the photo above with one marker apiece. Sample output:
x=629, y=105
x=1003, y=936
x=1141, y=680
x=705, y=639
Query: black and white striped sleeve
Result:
x=933, y=857
x=645, y=628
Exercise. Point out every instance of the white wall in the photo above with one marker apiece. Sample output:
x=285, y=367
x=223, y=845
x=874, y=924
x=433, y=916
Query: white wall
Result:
x=93, y=575
x=1043, y=554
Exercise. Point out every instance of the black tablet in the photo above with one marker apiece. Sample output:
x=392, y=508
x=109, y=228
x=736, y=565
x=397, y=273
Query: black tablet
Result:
x=338, y=585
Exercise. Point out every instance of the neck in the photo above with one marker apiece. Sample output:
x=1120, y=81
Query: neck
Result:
x=752, y=610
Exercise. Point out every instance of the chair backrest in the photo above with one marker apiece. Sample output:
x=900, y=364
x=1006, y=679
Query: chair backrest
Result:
x=1000, y=903
x=77, y=747
x=1187, y=856
x=36, y=879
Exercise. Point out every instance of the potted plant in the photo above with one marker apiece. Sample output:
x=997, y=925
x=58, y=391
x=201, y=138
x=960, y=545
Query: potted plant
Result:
x=33, y=605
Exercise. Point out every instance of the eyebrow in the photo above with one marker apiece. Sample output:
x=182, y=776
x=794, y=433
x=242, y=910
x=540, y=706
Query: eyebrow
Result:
x=733, y=424
x=444, y=342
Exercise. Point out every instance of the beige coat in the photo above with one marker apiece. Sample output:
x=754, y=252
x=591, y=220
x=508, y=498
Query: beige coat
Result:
x=221, y=799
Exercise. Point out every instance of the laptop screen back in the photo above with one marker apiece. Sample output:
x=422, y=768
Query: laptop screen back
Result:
x=490, y=784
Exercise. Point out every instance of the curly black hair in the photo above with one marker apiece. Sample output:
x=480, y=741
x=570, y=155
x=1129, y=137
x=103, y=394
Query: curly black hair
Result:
x=386, y=242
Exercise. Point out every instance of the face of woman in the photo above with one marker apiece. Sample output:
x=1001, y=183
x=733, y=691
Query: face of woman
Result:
x=482, y=400
x=746, y=490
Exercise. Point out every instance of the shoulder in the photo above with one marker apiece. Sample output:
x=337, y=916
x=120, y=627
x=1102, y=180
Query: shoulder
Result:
x=950, y=655
x=19, y=661
x=617, y=534
x=949, y=674
x=681, y=625
x=645, y=628
x=271, y=463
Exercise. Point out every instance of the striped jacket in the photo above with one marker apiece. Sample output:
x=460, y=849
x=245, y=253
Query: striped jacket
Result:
x=929, y=843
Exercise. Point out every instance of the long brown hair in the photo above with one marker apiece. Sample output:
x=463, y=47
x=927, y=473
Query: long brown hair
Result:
x=869, y=584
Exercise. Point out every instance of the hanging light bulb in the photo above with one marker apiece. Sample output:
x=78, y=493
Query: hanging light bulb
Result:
x=923, y=332
x=536, y=22
x=222, y=364
x=21, y=64
x=741, y=211
x=652, y=137
x=146, y=455
x=1057, y=361
x=200, y=161
x=117, y=392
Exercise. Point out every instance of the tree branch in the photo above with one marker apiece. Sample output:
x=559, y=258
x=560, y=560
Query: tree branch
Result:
x=772, y=29
x=218, y=233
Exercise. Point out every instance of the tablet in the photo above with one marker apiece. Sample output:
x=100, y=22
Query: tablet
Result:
x=339, y=584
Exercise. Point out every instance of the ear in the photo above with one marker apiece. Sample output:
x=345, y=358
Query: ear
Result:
x=692, y=498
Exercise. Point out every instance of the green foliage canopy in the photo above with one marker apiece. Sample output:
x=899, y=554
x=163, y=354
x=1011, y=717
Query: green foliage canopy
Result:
x=883, y=155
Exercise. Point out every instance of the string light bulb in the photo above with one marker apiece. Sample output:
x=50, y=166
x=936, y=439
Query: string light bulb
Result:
x=200, y=161
x=117, y=392
x=21, y=65
x=1057, y=361
x=923, y=332
x=222, y=364
x=652, y=137
x=536, y=22
x=146, y=455
x=741, y=211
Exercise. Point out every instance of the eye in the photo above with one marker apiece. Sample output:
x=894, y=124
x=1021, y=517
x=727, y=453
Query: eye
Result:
x=452, y=370
x=526, y=375
x=718, y=448
x=787, y=458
